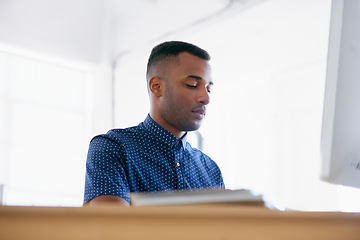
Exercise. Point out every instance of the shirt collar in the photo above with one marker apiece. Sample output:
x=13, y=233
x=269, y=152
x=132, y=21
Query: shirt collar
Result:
x=161, y=133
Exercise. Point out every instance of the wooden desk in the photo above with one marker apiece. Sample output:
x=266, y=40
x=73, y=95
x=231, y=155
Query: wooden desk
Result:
x=221, y=222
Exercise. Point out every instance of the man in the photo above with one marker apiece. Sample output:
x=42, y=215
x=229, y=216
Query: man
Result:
x=155, y=156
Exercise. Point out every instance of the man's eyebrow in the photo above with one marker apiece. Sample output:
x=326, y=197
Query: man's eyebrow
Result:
x=198, y=78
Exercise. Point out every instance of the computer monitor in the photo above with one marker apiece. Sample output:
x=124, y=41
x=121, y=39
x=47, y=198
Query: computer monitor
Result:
x=340, y=142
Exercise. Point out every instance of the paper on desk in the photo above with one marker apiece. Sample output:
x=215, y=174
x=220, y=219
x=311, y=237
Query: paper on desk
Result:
x=241, y=196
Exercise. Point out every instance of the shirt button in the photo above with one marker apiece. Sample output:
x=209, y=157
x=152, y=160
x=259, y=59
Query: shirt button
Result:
x=178, y=164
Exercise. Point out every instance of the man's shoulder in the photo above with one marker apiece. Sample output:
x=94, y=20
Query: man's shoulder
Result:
x=123, y=131
x=119, y=134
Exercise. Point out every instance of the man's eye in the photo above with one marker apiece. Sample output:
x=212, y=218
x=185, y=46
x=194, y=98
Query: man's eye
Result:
x=191, y=86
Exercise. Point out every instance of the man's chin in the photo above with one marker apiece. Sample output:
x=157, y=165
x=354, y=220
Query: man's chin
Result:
x=192, y=127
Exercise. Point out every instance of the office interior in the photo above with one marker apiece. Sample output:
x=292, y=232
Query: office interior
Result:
x=70, y=70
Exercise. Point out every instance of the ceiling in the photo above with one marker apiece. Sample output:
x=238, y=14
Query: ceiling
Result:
x=97, y=31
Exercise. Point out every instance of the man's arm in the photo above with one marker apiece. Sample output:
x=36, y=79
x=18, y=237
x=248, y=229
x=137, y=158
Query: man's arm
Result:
x=105, y=177
x=107, y=199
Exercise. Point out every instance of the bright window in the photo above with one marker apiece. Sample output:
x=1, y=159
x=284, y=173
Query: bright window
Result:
x=45, y=120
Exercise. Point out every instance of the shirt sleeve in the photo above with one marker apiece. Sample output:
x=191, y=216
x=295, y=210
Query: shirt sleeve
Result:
x=105, y=171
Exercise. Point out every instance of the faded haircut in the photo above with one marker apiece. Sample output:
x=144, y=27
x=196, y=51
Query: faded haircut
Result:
x=168, y=50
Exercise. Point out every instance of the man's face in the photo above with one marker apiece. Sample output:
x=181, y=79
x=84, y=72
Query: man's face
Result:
x=186, y=93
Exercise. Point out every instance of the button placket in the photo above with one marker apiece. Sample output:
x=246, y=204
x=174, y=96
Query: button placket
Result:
x=178, y=164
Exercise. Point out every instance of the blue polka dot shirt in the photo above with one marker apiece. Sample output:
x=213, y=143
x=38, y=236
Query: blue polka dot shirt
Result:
x=146, y=158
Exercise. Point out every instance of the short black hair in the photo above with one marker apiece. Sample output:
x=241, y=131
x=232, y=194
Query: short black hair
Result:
x=170, y=49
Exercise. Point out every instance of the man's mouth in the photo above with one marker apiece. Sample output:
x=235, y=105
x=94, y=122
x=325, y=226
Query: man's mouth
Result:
x=199, y=112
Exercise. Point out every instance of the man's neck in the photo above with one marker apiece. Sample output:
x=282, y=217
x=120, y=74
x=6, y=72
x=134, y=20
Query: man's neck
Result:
x=178, y=134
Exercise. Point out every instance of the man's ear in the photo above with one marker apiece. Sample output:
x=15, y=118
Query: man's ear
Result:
x=156, y=86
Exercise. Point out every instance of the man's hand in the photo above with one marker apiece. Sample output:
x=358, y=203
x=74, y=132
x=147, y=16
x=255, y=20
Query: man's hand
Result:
x=107, y=199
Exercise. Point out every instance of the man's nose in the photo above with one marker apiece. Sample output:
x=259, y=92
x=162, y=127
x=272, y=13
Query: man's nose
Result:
x=204, y=97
